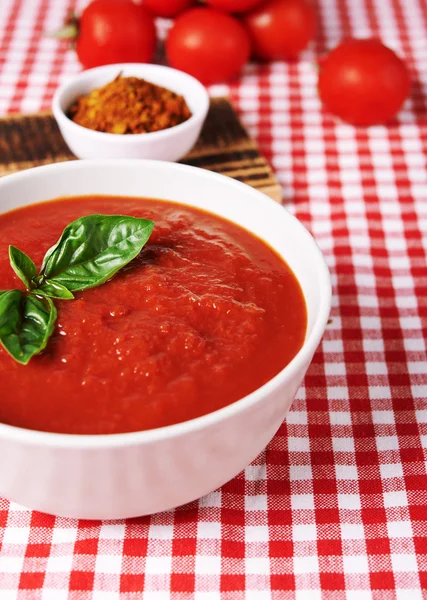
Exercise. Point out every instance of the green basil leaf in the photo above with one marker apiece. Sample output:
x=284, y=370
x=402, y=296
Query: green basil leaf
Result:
x=51, y=289
x=92, y=249
x=26, y=323
x=22, y=265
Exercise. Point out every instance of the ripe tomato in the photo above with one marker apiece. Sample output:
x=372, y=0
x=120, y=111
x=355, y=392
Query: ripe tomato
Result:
x=280, y=29
x=167, y=8
x=115, y=31
x=208, y=44
x=234, y=6
x=363, y=82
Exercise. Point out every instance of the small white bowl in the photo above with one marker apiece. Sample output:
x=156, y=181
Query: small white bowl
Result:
x=168, y=144
x=133, y=474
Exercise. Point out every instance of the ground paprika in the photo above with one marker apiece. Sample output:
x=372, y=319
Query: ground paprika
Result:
x=129, y=105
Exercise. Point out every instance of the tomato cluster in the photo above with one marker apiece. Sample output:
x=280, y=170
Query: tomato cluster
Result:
x=211, y=41
x=361, y=81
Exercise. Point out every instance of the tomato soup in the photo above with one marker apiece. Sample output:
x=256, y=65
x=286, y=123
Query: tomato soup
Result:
x=206, y=314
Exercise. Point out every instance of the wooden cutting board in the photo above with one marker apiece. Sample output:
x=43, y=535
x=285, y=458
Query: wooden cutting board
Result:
x=224, y=147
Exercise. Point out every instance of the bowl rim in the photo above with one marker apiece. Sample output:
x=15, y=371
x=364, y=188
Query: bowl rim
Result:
x=95, y=441
x=198, y=114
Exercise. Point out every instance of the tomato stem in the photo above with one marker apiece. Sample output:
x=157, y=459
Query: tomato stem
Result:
x=69, y=31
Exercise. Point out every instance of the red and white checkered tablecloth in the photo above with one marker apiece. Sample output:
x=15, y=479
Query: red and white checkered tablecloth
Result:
x=336, y=506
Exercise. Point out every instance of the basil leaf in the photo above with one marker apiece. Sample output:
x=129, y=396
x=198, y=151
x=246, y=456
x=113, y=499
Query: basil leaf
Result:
x=51, y=289
x=26, y=323
x=22, y=265
x=92, y=249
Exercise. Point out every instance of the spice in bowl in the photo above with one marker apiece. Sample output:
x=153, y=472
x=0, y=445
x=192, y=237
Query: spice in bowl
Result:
x=129, y=105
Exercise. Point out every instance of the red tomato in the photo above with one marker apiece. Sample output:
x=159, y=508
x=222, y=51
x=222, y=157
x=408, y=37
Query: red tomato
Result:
x=115, y=31
x=281, y=29
x=167, y=8
x=208, y=44
x=363, y=82
x=234, y=6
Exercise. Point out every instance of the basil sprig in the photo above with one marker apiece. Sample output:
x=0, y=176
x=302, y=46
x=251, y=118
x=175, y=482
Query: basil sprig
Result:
x=89, y=252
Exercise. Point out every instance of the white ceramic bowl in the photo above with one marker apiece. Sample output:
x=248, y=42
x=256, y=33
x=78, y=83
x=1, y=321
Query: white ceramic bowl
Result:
x=125, y=475
x=169, y=144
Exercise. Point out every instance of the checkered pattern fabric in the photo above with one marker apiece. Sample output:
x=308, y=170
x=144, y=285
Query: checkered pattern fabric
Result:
x=336, y=506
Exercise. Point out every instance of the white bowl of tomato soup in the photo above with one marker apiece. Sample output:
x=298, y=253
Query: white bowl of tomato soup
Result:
x=165, y=382
x=169, y=144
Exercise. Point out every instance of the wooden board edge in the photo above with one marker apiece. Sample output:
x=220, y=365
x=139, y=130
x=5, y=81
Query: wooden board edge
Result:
x=271, y=187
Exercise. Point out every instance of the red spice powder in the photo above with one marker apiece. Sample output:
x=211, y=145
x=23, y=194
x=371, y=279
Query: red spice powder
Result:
x=129, y=105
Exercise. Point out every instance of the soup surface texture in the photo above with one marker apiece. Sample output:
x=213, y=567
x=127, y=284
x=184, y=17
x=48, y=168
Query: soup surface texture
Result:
x=204, y=315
